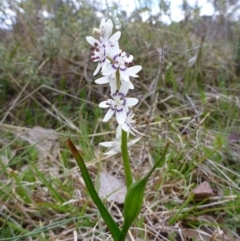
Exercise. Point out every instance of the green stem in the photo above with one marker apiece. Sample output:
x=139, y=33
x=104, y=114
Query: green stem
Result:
x=112, y=226
x=126, y=162
x=124, y=233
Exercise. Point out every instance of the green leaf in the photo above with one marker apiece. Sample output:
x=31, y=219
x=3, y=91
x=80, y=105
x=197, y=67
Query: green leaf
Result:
x=134, y=199
x=111, y=224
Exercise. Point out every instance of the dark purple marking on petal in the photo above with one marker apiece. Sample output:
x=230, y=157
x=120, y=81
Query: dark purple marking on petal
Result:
x=120, y=110
x=94, y=58
x=114, y=66
x=113, y=108
x=123, y=69
x=115, y=57
x=102, y=60
x=128, y=124
x=124, y=102
x=121, y=94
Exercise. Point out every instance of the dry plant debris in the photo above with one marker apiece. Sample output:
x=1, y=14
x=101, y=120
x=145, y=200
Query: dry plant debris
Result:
x=111, y=187
x=203, y=191
x=45, y=141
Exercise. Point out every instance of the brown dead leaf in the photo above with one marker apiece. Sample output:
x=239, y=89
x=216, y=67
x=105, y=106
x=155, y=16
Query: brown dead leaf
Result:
x=195, y=234
x=46, y=141
x=203, y=191
x=111, y=187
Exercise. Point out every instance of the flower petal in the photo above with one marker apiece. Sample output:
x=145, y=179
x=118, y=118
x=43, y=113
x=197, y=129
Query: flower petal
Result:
x=91, y=40
x=119, y=134
x=103, y=80
x=128, y=58
x=131, y=101
x=124, y=88
x=131, y=143
x=97, y=69
x=124, y=75
x=113, y=86
x=108, y=115
x=105, y=63
x=113, y=151
x=126, y=127
x=109, y=70
x=133, y=70
x=108, y=143
x=121, y=116
x=131, y=86
x=112, y=51
x=106, y=29
x=105, y=103
x=115, y=37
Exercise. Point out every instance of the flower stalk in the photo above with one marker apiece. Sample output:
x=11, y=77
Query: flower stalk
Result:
x=125, y=157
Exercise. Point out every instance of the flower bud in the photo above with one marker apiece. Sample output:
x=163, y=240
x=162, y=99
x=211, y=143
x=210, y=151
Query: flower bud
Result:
x=96, y=32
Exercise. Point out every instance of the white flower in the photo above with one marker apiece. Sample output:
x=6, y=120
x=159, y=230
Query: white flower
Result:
x=105, y=46
x=111, y=79
x=119, y=104
x=105, y=33
x=128, y=124
x=115, y=145
x=106, y=28
x=98, y=53
x=121, y=62
x=103, y=49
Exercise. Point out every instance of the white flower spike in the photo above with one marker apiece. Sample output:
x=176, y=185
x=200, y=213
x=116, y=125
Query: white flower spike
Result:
x=117, y=68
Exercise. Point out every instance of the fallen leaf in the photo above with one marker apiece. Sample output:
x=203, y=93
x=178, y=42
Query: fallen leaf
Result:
x=203, y=191
x=111, y=187
x=195, y=234
x=45, y=141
